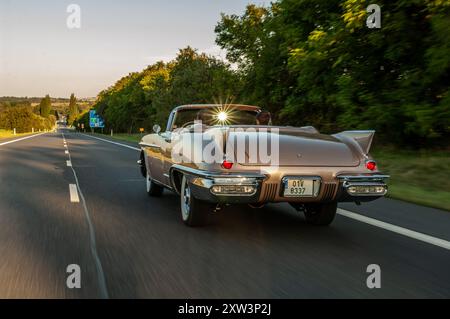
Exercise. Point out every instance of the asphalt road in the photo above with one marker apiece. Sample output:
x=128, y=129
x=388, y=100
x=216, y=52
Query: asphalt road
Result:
x=131, y=246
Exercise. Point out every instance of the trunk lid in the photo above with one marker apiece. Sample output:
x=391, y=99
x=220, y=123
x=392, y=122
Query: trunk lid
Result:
x=289, y=147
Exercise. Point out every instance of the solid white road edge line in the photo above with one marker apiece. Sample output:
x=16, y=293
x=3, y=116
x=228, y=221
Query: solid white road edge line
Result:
x=115, y=143
x=374, y=222
x=93, y=243
x=74, y=198
x=396, y=229
x=69, y=163
x=21, y=139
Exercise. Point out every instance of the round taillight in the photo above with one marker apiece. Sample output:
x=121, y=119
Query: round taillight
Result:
x=227, y=165
x=371, y=165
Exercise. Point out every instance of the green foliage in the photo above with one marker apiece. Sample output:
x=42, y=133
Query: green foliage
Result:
x=144, y=98
x=45, y=106
x=315, y=62
x=73, y=109
x=83, y=118
x=24, y=120
x=310, y=62
x=414, y=174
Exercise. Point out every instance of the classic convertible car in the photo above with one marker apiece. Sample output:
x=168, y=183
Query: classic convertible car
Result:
x=215, y=155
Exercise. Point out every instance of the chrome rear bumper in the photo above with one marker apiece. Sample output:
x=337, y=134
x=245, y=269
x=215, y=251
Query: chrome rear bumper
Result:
x=219, y=187
x=251, y=188
x=364, y=185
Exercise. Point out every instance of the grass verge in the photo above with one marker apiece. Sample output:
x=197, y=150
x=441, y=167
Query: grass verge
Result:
x=421, y=177
x=134, y=138
x=9, y=134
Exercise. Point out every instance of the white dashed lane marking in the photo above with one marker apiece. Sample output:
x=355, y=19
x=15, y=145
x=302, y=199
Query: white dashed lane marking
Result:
x=93, y=243
x=74, y=198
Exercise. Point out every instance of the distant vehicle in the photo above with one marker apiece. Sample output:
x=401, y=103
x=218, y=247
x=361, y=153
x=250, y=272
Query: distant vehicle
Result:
x=312, y=171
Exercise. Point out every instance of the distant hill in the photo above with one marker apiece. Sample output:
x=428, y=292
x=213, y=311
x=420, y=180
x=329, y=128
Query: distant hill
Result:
x=59, y=104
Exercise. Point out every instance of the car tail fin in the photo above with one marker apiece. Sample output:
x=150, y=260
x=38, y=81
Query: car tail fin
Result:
x=363, y=138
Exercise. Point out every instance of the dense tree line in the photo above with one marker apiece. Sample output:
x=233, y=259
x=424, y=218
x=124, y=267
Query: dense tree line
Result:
x=45, y=107
x=17, y=113
x=311, y=62
x=73, y=112
x=23, y=119
x=144, y=98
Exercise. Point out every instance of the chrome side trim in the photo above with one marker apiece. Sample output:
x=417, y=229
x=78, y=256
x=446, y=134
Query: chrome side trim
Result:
x=149, y=145
x=369, y=178
x=211, y=175
x=163, y=185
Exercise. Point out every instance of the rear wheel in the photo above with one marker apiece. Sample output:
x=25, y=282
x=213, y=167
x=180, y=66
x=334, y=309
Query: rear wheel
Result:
x=194, y=212
x=320, y=214
x=153, y=189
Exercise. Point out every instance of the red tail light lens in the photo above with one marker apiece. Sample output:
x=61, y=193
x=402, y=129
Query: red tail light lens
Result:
x=227, y=165
x=371, y=165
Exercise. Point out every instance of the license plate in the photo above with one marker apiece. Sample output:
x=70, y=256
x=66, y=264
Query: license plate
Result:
x=299, y=187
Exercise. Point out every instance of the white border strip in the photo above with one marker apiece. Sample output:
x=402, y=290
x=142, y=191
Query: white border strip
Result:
x=21, y=139
x=396, y=229
x=115, y=143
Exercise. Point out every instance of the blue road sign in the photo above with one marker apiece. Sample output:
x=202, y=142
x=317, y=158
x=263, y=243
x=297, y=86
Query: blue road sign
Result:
x=95, y=120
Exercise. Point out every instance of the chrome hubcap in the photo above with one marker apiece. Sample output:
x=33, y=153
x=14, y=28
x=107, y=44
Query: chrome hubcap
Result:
x=186, y=201
x=148, y=183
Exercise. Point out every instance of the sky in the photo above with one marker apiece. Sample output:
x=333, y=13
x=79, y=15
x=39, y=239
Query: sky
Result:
x=40, y=54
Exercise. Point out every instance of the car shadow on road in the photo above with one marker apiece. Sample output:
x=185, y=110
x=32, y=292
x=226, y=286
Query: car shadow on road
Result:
x=277, y=221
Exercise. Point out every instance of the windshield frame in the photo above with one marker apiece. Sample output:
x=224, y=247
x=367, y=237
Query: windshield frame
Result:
x=174, y=115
